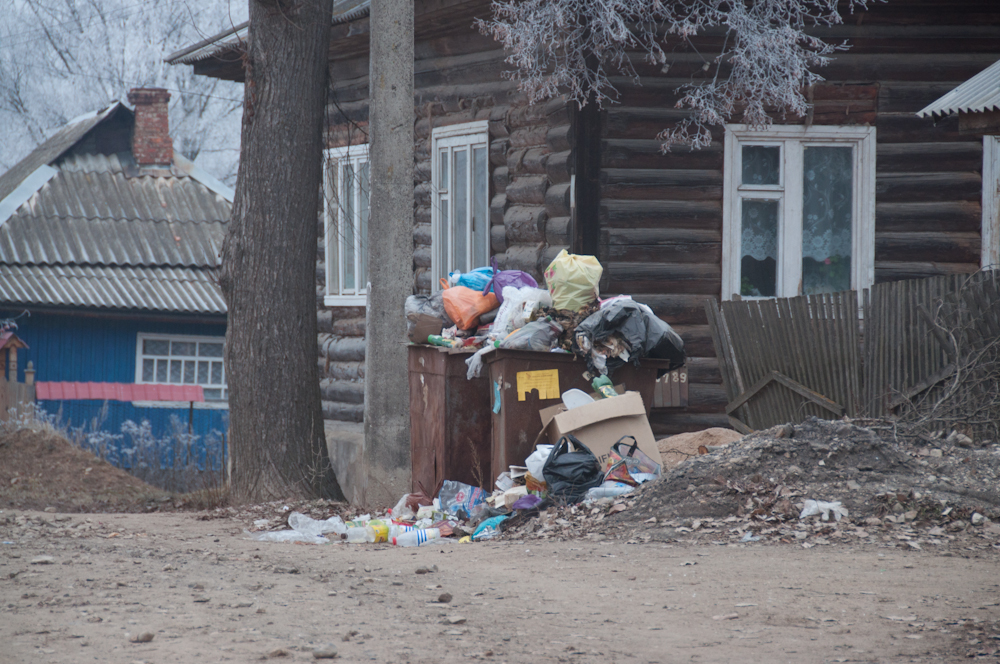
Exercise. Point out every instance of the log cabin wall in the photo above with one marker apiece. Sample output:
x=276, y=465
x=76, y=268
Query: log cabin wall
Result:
x=458, y=79
x=661, y=214
x=658, y=222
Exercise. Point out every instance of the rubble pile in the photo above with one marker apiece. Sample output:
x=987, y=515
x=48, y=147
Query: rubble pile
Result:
x=896, y=490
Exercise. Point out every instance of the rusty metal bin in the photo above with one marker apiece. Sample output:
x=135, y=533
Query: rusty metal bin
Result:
x=449, y=420
x=518, y=423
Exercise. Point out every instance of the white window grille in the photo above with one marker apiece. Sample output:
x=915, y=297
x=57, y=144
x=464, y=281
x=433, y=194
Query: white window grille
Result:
x=182, y=360
x=798, y=210
x=346, y=194
x=460, y=222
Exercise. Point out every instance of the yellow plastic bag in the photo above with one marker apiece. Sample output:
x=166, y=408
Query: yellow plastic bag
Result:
x=573, y=280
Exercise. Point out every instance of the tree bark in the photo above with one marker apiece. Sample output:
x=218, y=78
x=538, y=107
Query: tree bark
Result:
x=269, y=257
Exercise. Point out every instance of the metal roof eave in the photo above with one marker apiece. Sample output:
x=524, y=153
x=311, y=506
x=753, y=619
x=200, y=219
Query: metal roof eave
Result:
x=980, y=93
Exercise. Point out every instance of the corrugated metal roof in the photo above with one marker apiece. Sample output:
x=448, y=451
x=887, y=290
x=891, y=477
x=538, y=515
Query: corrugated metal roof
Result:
x=176, y=290
x=979, y=93
x=344, y=11
x=54, y=147
x=92, y=213
x=61, y=391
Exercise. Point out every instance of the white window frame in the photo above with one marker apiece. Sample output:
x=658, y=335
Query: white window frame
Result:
x=792, y=139
x=991, y=202
x=353, y=155
x=468, y=135
x=139, y=356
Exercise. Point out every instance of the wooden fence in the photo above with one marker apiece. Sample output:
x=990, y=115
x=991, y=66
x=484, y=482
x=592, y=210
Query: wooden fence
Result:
x=785, y=359
x=14, y=398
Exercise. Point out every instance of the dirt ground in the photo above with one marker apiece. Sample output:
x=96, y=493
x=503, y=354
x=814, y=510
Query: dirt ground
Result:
x=78, y=587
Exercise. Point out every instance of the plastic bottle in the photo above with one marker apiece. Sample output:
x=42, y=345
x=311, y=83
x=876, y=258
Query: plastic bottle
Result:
x=438, y=340
x=360, y=535
x=397, y=529
x=417, y=537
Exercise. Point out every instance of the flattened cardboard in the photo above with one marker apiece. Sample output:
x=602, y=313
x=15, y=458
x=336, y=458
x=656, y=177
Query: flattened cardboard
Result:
x=424, y=327
x=601, y=424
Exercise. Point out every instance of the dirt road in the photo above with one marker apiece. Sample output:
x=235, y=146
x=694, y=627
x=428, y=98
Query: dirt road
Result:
x=207, y=594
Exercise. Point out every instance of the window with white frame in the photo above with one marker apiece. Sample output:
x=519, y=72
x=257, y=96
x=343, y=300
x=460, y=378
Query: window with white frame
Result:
x=345, y=195
x=991, y=202
x=182, y=360
x=798, y=210
x=460, y=200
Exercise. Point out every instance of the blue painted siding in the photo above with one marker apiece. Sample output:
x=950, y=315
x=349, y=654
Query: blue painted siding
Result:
x=77, y=348
x=111, y=415
x=87, y=348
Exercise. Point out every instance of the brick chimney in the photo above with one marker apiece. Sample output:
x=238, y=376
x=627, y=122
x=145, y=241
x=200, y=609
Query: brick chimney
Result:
x=151, y=144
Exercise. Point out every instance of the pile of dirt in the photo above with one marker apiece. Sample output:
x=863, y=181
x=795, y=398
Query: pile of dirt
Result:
x=898, y=490
x=41, y=469
x=823, y=460
x=677, y=449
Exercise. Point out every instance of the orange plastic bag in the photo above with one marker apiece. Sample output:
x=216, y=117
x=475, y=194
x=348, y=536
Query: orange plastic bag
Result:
x=465, y=306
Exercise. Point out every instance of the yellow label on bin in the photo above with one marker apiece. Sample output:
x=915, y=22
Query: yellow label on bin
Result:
x=546, y=382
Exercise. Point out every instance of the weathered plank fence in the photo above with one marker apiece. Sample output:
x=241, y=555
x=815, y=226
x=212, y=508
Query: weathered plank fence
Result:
x=785, y=359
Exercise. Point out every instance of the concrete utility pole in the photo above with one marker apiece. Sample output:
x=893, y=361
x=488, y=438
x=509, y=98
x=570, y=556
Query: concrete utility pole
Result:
x=390, y=252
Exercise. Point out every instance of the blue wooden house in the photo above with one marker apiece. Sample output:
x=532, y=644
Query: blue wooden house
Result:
x=109, y=247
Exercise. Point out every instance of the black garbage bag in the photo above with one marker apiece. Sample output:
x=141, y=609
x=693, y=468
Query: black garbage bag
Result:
x=640, y=329
x=569, y=475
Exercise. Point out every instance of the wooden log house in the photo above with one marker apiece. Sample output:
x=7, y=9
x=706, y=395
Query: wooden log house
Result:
x=906, y=190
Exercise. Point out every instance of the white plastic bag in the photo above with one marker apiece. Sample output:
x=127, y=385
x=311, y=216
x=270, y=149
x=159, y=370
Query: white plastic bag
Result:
x=536, y=460
x=814, y=507
x=607, y=490
x=286, y=536
x=309, y=526
x=475, y=363
x=511, y=314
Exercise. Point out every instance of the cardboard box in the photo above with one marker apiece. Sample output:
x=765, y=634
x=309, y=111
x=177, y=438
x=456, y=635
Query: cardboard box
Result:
x=600, y=425
x=424, y=327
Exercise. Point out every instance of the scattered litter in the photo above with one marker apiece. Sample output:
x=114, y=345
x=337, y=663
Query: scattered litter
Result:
x=814, y=507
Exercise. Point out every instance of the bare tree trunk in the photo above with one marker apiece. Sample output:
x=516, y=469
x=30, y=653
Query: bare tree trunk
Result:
x=269, y=257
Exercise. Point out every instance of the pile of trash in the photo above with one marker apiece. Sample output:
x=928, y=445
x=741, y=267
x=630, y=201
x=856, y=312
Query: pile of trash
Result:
x=488, y=308
x=466, y=513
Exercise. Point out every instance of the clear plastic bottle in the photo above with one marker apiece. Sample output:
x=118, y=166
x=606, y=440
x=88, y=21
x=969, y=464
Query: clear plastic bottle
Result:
x=360, y=535
x=416, y=537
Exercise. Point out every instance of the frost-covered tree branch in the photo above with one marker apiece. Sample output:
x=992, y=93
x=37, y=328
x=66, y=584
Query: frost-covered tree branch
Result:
x=62, y=58
x=575, y=47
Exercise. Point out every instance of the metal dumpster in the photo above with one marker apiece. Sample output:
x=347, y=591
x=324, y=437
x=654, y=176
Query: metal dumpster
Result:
x=449, y=420
x=518, y=423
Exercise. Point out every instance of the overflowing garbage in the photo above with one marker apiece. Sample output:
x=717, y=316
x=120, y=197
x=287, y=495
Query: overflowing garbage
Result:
x=562, y=473
x=489, y=308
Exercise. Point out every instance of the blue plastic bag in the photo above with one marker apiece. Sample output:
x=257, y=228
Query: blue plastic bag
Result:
x=489, y=528
x=476, y=280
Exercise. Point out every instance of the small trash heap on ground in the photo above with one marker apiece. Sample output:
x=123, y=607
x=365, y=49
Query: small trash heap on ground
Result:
x=465, y=513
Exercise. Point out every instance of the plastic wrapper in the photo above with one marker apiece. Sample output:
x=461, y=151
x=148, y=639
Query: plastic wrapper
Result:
x=507, y=279
x=536, y=460
x=475, y=363
x=573, y=280
x=637, y=326
x=309, y=526
x=477, y=279
x=456, y=497
x=814, y=507
x=607, y=490
x=629, y=464
x=286, y=536
x=489, y=528
x=465, y=306
x=518, y=305
x=425, y=305
x=540, y=335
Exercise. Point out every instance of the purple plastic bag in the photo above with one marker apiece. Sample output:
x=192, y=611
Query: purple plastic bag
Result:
x=500, y=280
